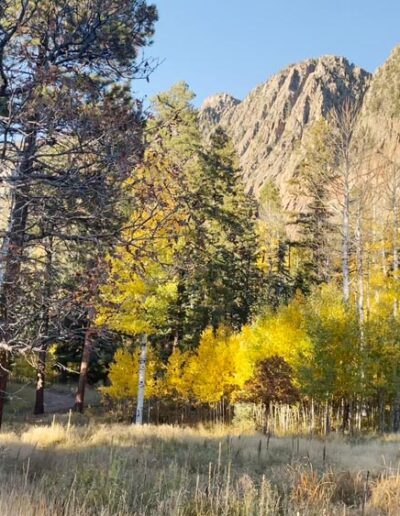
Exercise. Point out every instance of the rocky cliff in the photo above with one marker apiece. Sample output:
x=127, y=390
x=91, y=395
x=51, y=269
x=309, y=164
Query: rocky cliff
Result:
x=267, y=127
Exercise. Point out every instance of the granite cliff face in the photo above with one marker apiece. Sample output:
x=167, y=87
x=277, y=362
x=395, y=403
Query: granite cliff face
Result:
x=268, y=126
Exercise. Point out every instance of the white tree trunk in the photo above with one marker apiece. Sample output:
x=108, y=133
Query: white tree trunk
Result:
x=142, y=380
x=395, y=250
x=360, y=276
x=346, y=245
x=395, y=229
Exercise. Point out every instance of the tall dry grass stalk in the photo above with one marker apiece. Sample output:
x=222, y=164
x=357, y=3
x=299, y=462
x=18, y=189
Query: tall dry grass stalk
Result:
x=63, y=469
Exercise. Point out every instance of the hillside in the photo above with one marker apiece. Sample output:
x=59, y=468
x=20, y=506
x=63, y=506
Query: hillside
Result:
x=380, y=112
x=268, y=126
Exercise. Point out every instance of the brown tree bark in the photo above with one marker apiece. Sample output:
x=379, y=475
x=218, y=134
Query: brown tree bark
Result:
x=42, y=354
x=381, y=412
x=345, y=416
x=396, y=415
x=4, y=359
x=12, y=254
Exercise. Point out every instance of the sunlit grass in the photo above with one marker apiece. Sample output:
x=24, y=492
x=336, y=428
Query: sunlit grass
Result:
x=68, y=469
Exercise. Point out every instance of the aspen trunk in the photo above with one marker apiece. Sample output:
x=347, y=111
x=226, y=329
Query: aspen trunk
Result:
x=395, y=249
x=360, y=279
x=346, y=244
x=142, y=381
x=360, y=304
x=312, y=416
x=396, y=403
x=87, y=351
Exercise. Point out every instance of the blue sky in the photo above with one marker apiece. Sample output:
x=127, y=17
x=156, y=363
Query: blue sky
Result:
x=233, y=45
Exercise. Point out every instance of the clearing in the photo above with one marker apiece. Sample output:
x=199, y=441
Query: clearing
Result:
x=73, y=469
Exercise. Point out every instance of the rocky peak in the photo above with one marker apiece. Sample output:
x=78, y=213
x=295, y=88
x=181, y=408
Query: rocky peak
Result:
x=267, y=127
x=215, y=106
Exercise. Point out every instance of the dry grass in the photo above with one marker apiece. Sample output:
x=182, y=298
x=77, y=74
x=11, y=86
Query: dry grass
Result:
x=62, y=469
x=386, y=495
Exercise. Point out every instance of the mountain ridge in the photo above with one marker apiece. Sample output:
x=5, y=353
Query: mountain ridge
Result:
x=267, y=127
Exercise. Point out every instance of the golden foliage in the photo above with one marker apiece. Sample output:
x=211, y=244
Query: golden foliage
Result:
x=124, y=375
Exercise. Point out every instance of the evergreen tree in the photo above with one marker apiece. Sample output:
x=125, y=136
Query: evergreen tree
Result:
x=71, y=131
x=314, y=223
x=219, y=281
x=192, y=199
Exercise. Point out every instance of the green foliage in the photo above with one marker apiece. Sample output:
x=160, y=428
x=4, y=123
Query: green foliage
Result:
x=334, y=366
x=198, y=266
x=314, y=224
x=269, y=196
x=152, y=232
x=275, y=248
x=220, y=280
x=66, y=97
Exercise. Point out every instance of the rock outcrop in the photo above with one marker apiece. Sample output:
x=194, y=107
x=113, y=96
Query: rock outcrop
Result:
x=267, y=127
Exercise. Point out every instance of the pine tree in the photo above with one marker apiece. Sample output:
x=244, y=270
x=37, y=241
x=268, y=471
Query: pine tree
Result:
x=314, y=223
x=69, y=135
x=220, y=281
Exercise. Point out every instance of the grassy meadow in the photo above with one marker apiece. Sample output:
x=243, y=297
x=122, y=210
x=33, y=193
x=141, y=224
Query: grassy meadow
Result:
x=64, y=466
